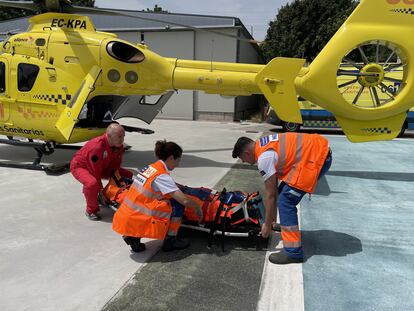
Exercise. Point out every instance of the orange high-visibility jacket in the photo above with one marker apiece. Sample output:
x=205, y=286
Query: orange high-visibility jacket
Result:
x=144, y=212
x=300, y=157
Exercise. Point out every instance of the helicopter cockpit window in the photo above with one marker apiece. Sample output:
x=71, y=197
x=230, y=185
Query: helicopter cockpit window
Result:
x=26, y=77
x=2, y=77
x=124, y=52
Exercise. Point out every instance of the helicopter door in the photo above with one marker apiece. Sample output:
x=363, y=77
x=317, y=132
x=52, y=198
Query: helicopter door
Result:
x=4, y=101
x=69, y=116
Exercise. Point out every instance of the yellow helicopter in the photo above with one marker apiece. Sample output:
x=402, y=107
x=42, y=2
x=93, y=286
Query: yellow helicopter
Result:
x=62, y=78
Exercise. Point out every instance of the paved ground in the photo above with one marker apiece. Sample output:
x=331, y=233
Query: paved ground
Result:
x=52, y=257
x=357, y=231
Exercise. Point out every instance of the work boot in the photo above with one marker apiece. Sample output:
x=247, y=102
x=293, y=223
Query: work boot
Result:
x=282, y=258
x=93, y=216
x=135, y=243
x=172, y=243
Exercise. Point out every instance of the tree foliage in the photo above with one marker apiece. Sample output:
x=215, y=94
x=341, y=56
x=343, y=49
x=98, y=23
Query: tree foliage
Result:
x=90, y=3
x=303, y=27
x=8, y=13
x=156, y=9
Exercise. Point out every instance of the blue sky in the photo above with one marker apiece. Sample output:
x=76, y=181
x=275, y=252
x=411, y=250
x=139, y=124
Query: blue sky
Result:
x=256, y=15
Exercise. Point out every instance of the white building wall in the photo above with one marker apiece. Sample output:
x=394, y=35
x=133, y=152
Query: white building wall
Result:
x=204, y=46
x=210, y=46
x=246, y=105
x=177, y=44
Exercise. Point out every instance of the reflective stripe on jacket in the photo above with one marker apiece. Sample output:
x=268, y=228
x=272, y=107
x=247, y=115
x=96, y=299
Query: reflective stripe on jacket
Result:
x=300, y=157
x=144, y=212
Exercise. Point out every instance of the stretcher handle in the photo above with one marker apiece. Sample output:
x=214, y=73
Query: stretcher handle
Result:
x=217, y=217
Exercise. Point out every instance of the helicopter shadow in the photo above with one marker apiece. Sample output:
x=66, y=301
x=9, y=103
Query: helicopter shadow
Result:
x=407, y=135
x=387, y=176
x=134, y=158
x=20, y=157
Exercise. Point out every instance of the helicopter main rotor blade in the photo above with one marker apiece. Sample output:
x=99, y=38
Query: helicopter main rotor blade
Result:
x=66, y=7
x=26, y=5
x=10, y=32
x=87, y=10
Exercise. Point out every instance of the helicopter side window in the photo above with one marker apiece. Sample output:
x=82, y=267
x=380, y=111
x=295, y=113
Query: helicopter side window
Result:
x=2, y=77
x=26, y=76
x=124, y=52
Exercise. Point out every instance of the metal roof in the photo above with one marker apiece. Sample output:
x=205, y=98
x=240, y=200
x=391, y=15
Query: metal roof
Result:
x=114, y=23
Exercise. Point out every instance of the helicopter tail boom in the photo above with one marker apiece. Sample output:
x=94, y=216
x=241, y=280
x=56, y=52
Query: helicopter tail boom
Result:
x=275, y=81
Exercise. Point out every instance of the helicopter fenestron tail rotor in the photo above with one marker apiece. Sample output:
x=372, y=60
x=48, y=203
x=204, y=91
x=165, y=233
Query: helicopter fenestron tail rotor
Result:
x=364, y=74
x=372, y=74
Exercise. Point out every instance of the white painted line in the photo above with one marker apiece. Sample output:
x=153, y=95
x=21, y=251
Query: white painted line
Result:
x=282, y=285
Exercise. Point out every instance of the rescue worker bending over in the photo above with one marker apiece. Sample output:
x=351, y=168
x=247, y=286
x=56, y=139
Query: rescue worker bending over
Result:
x=298, y=160
x=97, y=159
x=154, y=206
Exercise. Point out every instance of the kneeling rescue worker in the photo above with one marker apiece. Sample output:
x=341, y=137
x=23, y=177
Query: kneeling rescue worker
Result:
x=97, y=159
x=154, y=206
x=298, y=160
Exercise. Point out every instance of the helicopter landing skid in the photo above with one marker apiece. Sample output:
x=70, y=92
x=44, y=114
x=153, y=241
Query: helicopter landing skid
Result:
x=137, y=130
x=53, y=169
x=41, y=149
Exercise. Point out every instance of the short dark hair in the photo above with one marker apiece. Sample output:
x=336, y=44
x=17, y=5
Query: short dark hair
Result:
x=240, y=145
x=164, y=149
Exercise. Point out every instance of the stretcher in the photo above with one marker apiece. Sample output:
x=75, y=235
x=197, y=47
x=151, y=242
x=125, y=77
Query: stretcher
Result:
x=225, y=213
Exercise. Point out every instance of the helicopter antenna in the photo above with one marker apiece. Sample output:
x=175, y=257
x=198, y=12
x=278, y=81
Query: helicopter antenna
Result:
x=212, y=55
x=142, y=38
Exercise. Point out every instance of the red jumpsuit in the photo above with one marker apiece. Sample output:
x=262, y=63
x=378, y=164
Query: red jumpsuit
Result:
x=94, y=161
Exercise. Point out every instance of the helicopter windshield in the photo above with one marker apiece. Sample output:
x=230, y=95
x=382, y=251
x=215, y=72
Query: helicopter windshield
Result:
x=124, y=52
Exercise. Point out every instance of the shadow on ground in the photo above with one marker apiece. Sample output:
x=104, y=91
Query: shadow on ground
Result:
x=407, y=135
x=132, y=158
x=197, y=278
x=389, y=176
x=329, y=243
x=199, y=241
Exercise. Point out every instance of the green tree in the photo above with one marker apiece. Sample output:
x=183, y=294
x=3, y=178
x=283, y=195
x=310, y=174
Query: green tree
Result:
x=6, y=13
x=90, y=3
x=303, y=27
x=156, y=9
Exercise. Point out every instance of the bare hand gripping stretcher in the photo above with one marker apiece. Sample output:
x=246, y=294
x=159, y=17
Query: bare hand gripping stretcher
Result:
x=228, y=213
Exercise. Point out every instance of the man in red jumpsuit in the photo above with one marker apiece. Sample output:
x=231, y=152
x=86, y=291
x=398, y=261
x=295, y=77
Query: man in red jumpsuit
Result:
x=97, y=159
